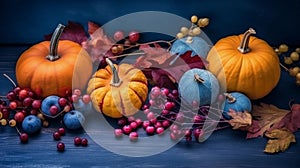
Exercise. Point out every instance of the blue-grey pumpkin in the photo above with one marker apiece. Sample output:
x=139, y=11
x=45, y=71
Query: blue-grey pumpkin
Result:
x=198, y=85
x=236, y=101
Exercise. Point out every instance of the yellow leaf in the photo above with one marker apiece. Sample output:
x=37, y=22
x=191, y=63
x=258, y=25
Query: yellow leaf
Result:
x=280, y=140
x=240, y=120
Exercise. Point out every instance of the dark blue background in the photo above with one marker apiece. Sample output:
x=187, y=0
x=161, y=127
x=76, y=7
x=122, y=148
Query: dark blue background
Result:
x=24, y=23
x=275, y=21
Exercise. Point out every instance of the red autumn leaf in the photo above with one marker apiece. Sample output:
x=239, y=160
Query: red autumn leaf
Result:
x=167, y=74
x=73, y=32
x=92, y=27
x=291, y=120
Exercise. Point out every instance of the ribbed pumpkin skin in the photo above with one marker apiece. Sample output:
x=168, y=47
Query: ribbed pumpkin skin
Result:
x=254, y=73
x=72, y=70
x=118, y=101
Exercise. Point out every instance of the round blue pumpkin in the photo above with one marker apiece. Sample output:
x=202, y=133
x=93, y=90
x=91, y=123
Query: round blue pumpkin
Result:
x=198, y=85
x=236, y=101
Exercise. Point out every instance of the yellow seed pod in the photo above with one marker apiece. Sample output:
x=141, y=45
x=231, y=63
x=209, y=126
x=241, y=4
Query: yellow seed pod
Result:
x=196, y=30
x=3, y=122
x=179, y=35
x=194, y=19
x=203, y=22
x=45, y=123
x=12, y=122
x=1, y=115
x=283, y=48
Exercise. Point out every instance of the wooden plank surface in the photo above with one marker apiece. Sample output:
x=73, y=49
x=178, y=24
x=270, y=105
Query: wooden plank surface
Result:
x=225, y=148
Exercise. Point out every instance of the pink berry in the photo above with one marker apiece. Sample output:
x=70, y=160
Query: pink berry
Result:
x=23, y=94
x=133, y=125
x=160, y=130
x=146, y=111
x=119, y=35
x=133, y=136
x=166, y=123
x=175, y=93
x=134, y=36
x=122, y=122
x=127, y=129
x=53, y=110
x=139, y=122
x=150, y=115
x=13, y=105
x=169, y=105
x=153, y=121
x=146, y=124
x=77, y=141
x=62, y=101
x=197, y=133
x=150, y=130
x=75, y=98
x=145, y=106
x=84, y=142
x=130, y=119
x=118, y=133
x=60, y=146
x=17, y=90
x=61, y=131
x=19, y=117
x=11, y=96
x=27, y=101
x=165, y=91
x=24, y=137
x=36, y=104
x=56, y=136
x=157, y=124
x=86, y=98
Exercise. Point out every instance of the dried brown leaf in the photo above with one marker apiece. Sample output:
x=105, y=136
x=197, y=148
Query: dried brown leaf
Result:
x=240, y=120
x=266, y=115
x=280, y=140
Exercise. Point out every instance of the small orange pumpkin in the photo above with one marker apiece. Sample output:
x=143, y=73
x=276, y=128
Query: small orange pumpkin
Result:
x=55, y=67
x=118, y=90
x=249, y=64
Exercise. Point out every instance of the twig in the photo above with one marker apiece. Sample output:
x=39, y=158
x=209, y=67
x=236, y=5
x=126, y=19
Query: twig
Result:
x=10, y=80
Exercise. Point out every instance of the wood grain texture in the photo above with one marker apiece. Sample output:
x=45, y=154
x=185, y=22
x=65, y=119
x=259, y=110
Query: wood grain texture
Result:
x=225, y=148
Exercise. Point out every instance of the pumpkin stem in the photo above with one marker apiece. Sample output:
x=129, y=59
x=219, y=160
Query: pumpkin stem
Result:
x=116, y=79
x=53, y=55
x=244, y=47
x=198, y=78
x=229, y=98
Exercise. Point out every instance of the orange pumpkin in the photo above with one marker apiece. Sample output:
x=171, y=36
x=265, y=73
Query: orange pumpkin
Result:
x=118, y=90
x=248, y=63
x=54, y=67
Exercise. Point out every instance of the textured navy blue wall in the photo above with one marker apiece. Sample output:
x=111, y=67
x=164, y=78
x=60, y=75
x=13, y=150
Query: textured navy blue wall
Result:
x=274, y=21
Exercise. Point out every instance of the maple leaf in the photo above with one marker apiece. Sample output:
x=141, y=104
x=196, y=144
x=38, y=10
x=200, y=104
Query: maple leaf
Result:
x=240, y=120
x=264, y=116
x=152, y=56
x=291, y=120
x=73, y=31
x=280, y=140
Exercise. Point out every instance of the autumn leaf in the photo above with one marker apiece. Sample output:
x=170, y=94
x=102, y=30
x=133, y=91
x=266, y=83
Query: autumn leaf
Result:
x=291, y=120
x=240, y=120
x=280, y=140
x=264, y=116
x=73, y=31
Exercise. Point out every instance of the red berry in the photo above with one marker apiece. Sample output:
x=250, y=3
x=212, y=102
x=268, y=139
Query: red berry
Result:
x=150, y=130
x=165, y=91
x=122, y=122
x=77, y=141
x=175, y=93
x=150, y=115
x=17, y=90
x=133, y=136
x=62, y=101
x=134, y=36
x=53, y=110
x=118, y=133
x=75, y=98
x=157, y=124
x=139, y=122
x=23, y=94
x=146, y=106
x=24, y=137
x=169, y=105
x=146, y=124
x=5, y=113
x=56, y=136
x=133, y=125
x=84, y=142
x=60, y=146
x=36, y=104
x=160, y=130
x=61, y=131
x=13, y=105
x=86, y=98
x=130, y=119
x=166, y=123
x=31, y=94
x=153, y=121
x=27, y=101
x=197, y=133
x=19, y=116
x=34, y=111
x=119, y=35
x=11, y=96
x=127, y=129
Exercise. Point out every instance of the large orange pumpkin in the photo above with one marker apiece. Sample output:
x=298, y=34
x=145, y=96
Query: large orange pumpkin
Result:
x=118, y=90
x=54, y=67
x=248, y=63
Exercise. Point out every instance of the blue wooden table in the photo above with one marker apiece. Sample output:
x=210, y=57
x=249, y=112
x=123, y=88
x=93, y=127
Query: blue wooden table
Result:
x=25, y=22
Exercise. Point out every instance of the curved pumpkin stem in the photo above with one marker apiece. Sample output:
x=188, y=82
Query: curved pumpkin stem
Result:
x=53, y=55
x=198, y=78
x=230, y=98
x=116, y=79
x=244, y=47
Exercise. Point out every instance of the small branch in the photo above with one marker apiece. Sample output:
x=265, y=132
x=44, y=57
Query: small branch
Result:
x=10, y=80
x=284, y=67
